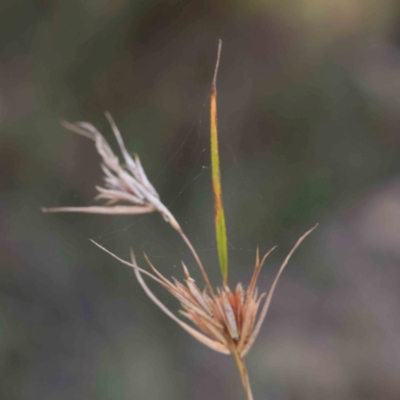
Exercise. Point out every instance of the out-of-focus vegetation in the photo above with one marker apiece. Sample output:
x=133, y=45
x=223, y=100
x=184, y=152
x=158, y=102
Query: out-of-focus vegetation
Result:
x=309, y=95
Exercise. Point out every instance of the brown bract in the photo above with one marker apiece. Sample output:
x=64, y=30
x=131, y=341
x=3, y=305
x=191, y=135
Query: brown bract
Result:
x=226, y=319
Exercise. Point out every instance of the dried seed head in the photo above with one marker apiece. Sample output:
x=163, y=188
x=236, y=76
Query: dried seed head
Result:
x=123, y=183
x=227, y=322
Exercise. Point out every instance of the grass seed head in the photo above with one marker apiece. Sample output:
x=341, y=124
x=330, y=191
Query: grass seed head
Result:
x=224, y=320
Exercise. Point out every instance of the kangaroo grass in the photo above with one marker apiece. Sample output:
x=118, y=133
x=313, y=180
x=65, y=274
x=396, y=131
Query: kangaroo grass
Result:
x=227, y=321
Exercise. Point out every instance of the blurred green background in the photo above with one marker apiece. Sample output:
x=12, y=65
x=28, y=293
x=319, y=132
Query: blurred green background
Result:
x=309, y=101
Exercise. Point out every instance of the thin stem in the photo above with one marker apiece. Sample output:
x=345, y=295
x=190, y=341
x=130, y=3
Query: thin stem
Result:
x=244, y=376
x=197, y=258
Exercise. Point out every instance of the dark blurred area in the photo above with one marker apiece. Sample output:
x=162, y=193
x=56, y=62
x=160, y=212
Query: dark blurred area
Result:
x=309, y=101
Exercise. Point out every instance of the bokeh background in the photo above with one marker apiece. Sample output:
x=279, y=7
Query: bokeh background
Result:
x=309, y=101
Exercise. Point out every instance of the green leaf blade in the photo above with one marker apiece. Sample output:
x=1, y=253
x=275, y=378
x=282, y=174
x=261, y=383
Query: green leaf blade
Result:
x=220, y=227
